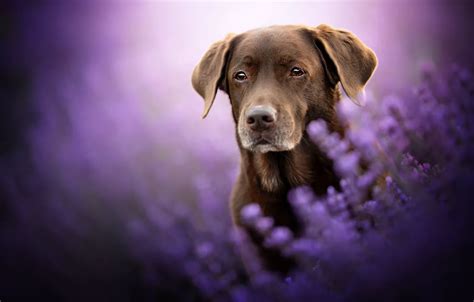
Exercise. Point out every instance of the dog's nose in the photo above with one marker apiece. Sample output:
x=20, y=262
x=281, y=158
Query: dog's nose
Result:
x=261, y=117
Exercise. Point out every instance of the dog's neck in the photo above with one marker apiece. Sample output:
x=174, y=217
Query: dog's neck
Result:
x=278, y=172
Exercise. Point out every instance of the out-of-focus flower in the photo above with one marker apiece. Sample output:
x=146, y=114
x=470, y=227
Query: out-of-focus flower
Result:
x=251, y=213
x=279, y=237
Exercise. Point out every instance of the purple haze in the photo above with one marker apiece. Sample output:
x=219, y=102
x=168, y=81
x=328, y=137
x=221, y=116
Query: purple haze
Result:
x=113, y=188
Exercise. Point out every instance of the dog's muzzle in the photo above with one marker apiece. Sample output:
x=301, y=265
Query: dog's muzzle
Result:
x=261, y=131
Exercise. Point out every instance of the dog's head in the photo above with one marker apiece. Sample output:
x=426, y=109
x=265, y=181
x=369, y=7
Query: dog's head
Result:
x=280, y=78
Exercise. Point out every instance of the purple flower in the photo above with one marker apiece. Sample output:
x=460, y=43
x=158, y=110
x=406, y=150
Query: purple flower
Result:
x=301, y=196
x=348, y=164
x=250, y=213
x=279, y=237
x=264, y=225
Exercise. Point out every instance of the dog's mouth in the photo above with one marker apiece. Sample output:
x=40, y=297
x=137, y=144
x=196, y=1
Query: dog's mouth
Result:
x=262, y=141
x=262, y=144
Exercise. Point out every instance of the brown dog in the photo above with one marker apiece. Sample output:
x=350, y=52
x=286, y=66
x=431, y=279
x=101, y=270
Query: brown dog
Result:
x=279, y=79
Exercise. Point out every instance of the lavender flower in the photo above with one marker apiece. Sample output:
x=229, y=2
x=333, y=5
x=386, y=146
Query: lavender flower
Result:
x=250, y=213
x=279, y=237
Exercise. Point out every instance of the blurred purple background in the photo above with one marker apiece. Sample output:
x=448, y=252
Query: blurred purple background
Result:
x=101, y=136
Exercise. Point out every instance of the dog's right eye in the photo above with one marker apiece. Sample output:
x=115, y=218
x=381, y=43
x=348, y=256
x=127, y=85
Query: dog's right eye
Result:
x=240, y=76
x=296, y=72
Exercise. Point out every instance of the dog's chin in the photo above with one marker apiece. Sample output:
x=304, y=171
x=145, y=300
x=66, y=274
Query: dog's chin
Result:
x=265, y=146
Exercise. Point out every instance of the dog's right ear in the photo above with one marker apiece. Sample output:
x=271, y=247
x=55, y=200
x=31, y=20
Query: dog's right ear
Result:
x=209, y=73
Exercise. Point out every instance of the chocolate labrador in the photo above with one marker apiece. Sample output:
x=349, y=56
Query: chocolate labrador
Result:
x=278, y=79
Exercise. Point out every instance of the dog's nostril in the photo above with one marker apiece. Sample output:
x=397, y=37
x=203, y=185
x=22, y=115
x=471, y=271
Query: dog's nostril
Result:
x=250, y=120
x=267, y=119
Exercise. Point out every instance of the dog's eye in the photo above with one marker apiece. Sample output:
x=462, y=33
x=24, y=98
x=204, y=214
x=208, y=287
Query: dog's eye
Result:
x=240, y=76
x=296, y=72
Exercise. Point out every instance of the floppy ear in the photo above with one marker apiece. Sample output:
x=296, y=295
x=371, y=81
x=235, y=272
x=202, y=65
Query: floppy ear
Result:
x=209, y=73
x=346, y=59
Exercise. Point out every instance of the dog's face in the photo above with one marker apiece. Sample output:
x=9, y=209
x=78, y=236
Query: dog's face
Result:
x=280, y=78
x=273, y=76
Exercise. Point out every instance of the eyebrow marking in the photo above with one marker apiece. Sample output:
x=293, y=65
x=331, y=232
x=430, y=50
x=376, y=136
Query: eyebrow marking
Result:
x=286, y=60
x=246, y=61
x=247, y=58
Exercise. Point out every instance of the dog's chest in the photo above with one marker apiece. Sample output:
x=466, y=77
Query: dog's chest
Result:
x=283, y=171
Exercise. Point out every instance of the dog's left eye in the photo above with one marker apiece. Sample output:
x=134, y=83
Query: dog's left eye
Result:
x=296, y=72
x=240, y=76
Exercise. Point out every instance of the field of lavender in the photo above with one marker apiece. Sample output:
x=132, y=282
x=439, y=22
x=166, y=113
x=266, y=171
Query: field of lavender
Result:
x=113, y=189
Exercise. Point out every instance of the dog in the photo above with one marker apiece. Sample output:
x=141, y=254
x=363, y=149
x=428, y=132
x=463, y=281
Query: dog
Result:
x=278, y=79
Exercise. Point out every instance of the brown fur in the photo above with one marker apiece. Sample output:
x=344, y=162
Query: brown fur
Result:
x=328, y=56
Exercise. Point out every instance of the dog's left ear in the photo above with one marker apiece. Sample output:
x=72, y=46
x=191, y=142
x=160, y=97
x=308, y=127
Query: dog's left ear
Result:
x=209, y=73
x=346, y=59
